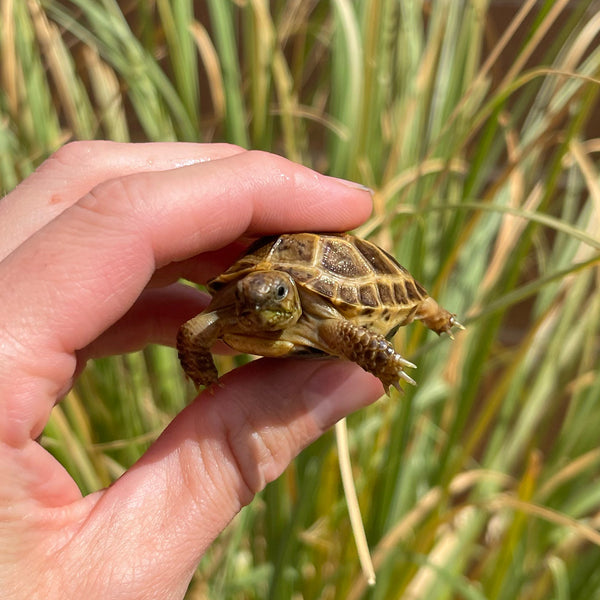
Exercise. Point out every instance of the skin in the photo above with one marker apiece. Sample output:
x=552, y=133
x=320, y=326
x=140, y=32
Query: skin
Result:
x=264, y=304
x=265, y=313
x=92, y=246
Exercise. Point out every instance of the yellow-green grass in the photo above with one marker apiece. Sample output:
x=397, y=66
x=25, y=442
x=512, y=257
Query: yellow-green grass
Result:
x=478, y=138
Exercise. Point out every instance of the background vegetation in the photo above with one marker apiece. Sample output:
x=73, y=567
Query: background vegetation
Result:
x=477, y=126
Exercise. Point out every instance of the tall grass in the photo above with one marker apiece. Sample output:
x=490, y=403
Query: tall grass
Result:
x=482, y=482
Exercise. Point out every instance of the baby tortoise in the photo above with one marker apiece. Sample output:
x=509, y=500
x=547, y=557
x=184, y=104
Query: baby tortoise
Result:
x=311, y=294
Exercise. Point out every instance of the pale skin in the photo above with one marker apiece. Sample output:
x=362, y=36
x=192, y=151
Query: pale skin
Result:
x=91, y=249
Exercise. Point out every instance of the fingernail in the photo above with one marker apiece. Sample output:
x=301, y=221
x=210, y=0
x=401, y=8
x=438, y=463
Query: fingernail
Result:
x=337, y=389
x=351, y=184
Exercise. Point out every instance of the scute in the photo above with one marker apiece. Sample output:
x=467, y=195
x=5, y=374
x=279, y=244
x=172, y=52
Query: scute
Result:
x=256, y=254
x=302, y=275
x=324, y=286
x=361, y=280
x=411, y=291
x=381, y=262
x=385, y=292
x=298, y=249
x=368, y=295
x=348, y=294
x=400, y=293
x=341, y=258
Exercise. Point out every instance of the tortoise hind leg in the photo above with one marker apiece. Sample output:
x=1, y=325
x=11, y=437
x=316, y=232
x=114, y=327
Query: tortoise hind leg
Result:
x=367, y=349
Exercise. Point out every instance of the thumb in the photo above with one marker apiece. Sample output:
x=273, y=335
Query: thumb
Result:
x=162, y=514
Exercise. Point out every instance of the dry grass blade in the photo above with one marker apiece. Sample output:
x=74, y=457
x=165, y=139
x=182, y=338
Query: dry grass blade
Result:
x=210, y=60
x=341, y=436
x=73, y=97
x=479, y=135
x=9, y=57
x=108, y=97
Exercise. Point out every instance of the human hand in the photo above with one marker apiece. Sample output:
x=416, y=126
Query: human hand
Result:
x=92, y=246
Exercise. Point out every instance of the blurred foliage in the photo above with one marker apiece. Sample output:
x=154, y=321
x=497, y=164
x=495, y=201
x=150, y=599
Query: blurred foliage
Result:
x=477, y=126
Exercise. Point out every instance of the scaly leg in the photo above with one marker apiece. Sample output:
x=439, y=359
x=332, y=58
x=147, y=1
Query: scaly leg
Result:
x=369, y=350
x=194, y=340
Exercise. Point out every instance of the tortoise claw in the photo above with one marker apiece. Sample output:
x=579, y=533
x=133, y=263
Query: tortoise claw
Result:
x=406, y=363
x=453, y=323
x=406, y=378
x=396, y=383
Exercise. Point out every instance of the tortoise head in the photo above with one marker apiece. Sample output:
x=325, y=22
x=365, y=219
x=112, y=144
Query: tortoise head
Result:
x=267, y=301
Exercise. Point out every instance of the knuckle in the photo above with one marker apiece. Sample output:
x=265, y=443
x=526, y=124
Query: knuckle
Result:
x=118, y=197
x=251, y=456
x=269, y=160
x=76, y=153
x=229, y=148
x=258, y=454
x=275, y=169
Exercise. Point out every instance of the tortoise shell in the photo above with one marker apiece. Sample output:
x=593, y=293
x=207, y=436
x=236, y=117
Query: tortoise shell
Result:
x=312, y=293
x=362, y=281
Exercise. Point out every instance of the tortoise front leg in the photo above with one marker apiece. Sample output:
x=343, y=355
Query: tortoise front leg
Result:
x=194, y=340
x=367, y=349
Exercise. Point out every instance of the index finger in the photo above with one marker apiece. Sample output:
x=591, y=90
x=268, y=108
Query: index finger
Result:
x=82, y=271
x=77, y=167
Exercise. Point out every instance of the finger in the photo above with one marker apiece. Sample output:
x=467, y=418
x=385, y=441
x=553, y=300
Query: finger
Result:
x=200, y=269
x=153, y=319
x=77, y=167
x=213, y=458
x=87, y=267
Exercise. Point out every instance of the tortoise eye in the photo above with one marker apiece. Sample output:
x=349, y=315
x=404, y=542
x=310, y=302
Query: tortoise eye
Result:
x=281, y=292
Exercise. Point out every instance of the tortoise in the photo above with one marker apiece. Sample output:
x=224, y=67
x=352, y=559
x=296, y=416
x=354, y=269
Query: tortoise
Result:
x=311, y=294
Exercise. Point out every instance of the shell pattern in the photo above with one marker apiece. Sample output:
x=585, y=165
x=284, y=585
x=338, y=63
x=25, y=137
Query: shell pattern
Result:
x=364, y=283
